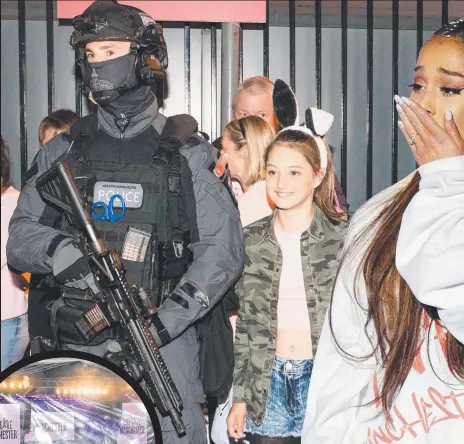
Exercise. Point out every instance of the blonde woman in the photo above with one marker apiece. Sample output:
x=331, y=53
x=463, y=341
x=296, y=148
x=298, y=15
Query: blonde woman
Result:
x=245, y=141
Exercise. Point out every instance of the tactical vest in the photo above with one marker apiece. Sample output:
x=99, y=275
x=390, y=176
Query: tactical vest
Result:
x=153, y=236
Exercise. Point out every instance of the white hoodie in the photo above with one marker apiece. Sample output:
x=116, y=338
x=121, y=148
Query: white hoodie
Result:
x=429, y=408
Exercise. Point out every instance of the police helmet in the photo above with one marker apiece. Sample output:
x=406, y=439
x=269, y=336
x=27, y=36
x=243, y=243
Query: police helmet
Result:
x=108, y=20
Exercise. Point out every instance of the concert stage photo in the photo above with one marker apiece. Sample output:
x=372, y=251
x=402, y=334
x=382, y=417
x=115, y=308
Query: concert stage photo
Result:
x=71, y=401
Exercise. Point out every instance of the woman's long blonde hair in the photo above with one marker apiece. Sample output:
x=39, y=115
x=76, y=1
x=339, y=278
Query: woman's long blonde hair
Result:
x=254, y=135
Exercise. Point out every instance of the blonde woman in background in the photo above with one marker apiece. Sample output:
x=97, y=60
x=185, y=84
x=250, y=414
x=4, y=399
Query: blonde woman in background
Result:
x=245, y=141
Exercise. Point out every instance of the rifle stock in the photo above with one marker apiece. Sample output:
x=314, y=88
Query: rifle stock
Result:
x=117, y=303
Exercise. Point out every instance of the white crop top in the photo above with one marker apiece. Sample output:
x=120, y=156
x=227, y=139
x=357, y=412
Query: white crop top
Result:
x=292, y=311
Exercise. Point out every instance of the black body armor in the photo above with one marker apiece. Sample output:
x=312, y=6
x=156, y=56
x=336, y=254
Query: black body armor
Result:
x=154, y=235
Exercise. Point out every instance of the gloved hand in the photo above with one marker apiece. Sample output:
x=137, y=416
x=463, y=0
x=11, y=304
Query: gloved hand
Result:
x=71, y=268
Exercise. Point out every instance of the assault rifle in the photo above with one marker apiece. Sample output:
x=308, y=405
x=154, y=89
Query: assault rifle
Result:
x=117, y=303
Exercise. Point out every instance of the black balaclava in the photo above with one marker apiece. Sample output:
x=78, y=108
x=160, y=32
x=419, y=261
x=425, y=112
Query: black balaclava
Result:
x=119, y=73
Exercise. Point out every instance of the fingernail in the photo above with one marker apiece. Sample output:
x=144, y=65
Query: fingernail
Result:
x=406, y=100
x=399, y=109
x=400, y=124
x=398, y=100
x=449, y=115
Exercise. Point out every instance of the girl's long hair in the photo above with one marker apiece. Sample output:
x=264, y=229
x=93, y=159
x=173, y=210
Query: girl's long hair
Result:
x=393, y=310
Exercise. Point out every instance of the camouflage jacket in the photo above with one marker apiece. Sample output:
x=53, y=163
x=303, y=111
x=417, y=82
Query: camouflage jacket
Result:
x=258, y=290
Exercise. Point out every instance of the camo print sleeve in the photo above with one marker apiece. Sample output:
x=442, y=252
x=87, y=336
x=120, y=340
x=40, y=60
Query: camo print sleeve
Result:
x=241, y=348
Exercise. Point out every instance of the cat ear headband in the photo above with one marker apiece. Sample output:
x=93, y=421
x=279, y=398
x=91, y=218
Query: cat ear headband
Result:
x=317, y=121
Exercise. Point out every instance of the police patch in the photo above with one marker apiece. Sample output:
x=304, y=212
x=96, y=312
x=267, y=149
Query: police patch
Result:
x=132, y=193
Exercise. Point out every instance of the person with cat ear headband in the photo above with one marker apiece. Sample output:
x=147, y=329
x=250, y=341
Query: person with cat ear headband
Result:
x=303, y=238
x=317, y=121
x=317, y=124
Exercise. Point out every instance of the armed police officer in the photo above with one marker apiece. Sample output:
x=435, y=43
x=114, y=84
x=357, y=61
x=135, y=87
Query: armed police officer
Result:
x=180, y=236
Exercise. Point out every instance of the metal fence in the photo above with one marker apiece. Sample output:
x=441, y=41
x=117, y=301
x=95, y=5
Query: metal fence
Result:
x=213, y=29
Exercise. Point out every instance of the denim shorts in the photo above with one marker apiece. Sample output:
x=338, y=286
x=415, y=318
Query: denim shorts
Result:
x=15, y=338
x=286, y=404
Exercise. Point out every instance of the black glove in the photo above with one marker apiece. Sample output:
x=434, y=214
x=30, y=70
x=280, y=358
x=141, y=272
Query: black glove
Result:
x=71, y=268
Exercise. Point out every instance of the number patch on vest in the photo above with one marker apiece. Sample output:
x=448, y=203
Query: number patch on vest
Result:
x=132, y=193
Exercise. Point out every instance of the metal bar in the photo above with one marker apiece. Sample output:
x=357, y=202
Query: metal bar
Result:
x=22, y=86
x=266, y=42
x=343, y=150
x=206, y=99
x=50, y=57
x=444, y=12
x=420, y=25
x=292, y=18
x=188, y=104
x=202, y=74
x=395, y=31
x=229, y=69
x=370, y=96
x=241, y=54
x=318, y=53
x=214, y=82
x=78, y=87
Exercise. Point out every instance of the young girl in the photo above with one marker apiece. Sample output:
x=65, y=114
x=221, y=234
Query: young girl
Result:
x=15, y=336
x=292, y=259
x=390, y=363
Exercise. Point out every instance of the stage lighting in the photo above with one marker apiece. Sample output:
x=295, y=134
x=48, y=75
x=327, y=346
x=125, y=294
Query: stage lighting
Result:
x=12, y=385
x=26, y=382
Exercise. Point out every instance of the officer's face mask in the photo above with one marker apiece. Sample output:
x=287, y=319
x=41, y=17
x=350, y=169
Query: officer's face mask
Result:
x=110, y=79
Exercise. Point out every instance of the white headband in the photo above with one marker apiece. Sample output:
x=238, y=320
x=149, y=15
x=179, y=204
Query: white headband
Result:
x=322, y=121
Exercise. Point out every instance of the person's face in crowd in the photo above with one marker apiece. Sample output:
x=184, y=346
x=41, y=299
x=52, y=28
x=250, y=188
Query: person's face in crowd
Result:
x=260, y=105
x=236, y=158
x=290, y=179
x=49, y=134
x=102, y=51
x=439, y=79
